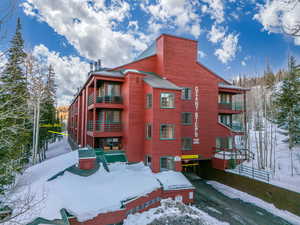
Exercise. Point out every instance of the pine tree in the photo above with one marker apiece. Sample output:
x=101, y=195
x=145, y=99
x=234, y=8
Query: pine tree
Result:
x=14, y=135
x=269, y=77
x=287, y=104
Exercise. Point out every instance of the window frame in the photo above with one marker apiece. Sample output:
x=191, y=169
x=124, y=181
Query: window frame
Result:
x=166, y=157
x=164, y=107
x=189, y=94
x=184, y=148
x=182, y=115
x=160, y=131
x=147, y=126
x=149, y=101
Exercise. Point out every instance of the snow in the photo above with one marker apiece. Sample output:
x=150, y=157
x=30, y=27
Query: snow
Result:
x=234, y=193
x=58, y=148
x=86, y=197
x=83, y=197
x=172, y=180
x=282, y=176
x=171, y=210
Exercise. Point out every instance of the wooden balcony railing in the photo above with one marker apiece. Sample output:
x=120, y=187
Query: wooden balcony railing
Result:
x=104, y=126
x=236, y=127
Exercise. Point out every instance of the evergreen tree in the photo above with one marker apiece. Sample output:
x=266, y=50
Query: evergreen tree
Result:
x=269, y=77
x=287, y=106
x=14, y=135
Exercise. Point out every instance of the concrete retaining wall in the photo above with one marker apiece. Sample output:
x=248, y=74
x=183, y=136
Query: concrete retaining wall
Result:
x=281, y=198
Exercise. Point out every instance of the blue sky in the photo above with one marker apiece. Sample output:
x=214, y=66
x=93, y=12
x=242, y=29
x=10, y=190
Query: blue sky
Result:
x=234, y=37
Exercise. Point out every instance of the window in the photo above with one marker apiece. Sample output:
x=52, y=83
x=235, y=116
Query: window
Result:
x=186, y=94
x=166, y=163
x=148, y=131
x=225, y=119
x=167, y=100
x=186, y=118
x=224, y=98
x=224, y=143
x=191, y=195
x=167, y=131
x=186, y=143
x=111, y=116
x=113, y=89
x=149, y=101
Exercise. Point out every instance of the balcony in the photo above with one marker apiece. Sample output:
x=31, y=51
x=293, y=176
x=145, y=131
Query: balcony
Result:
x=104, y=126
x=236, y=127
x=106, y=101
x=231, y=106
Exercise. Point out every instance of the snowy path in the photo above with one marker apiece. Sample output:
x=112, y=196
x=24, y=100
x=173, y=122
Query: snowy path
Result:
x=57, y=148
x=233, y=211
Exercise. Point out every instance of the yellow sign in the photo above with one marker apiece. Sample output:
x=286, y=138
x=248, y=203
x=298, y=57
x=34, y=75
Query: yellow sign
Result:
x=57, y=132
x=189, y=156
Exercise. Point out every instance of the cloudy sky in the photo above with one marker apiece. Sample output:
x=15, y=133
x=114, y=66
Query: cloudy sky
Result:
x=234, y=36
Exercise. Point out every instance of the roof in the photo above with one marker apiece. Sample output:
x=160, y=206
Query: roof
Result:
x=172, y=180
x=150, y=51
x=107, y=73
x=157, y=82
x=222, y=85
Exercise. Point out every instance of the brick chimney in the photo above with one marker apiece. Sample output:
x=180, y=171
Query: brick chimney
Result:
x=87, y=159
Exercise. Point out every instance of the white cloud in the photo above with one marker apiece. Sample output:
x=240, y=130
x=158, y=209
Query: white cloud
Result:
x=216, y=34
x=177, y=14
x=228, y=48
x=71, y=72
x=278, y=14
x=243, y=63
x=215, y=9
x=91, y=28
x=201, y=54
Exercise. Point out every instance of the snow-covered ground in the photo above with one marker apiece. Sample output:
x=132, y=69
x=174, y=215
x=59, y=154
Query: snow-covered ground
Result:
x=57, y=148
x=236, y=194
x=175, y=213
x=282, y=176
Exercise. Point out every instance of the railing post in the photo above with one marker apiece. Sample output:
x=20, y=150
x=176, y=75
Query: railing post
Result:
x=252, y=172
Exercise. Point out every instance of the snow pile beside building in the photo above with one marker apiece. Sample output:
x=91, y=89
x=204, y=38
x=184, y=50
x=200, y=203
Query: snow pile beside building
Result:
x=83, y=197
x=172, y=180
x=172, y=212
x=234, y=193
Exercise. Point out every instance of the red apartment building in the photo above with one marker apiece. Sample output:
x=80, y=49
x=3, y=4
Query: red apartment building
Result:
x=164, y=108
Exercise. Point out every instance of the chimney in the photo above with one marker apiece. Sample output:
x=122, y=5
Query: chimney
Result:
x=96, y=66
x=99, y=64
x=87, y=159
x=91, y=67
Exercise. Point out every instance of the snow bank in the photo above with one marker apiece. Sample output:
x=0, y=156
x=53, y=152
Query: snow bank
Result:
x=234, y=193
x=172, y=180
x=84, y=197
x=175, y=213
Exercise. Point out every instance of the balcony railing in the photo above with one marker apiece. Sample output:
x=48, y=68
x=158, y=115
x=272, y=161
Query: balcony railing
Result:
x=105, y=99
x=231, y=105
x=104, y=126
x=109, y=99
x=236, y=127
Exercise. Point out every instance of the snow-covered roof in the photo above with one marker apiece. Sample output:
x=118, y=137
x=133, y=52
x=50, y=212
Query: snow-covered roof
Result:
x=83, y=197
x=172, y=180
x=222, y=85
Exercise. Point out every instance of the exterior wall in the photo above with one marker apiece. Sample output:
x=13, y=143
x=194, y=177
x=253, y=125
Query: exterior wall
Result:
x=185, y=193
x=87, y=164
x=176, y=60
x=120, y=215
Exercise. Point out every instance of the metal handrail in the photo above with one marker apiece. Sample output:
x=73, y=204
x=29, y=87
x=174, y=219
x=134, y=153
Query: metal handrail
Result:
x=231, y=105
x=104, y=126
x=109, y=99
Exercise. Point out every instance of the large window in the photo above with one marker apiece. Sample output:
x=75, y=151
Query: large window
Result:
x=224, y=143
x=149, y=101
x=167, y=131
x=166, y=163
x=186, y=94
x=186, y=143
x=110, y=116
x=167, y=100
x=224, y=98
x=186, y=118
x=148, y=131
x=226, y=119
